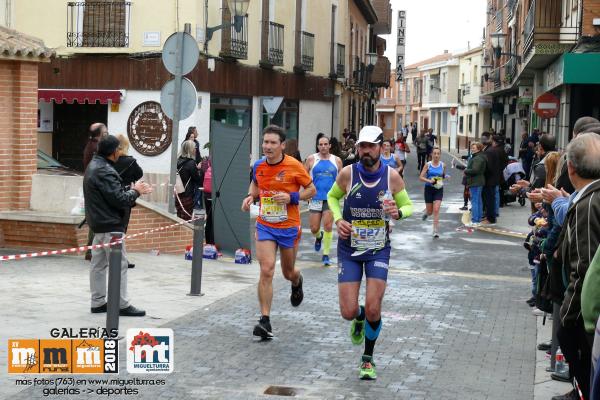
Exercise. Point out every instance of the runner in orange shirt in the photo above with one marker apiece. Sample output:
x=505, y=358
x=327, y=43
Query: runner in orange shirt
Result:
x=276, y=181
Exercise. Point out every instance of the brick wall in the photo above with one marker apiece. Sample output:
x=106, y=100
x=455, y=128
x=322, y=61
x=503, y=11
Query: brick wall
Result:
x=591, y=10
x=39, y=236
x=18, y=132
x=173, y=240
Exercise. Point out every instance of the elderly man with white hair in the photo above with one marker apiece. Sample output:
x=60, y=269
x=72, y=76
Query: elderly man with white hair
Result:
x=577, y=245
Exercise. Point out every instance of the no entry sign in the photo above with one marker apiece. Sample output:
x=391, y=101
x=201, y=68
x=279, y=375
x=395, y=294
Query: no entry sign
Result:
x=547, y=105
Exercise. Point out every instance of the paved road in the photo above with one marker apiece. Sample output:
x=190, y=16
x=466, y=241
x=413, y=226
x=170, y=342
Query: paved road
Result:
x=454, y=327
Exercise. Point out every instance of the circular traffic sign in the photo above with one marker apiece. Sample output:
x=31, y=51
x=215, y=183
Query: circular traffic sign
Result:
x=547, y=105
x=188, y=96
x=190, y=53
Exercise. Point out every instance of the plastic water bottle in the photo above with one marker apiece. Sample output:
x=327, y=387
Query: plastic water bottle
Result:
x=561, y=367
x=388, y=199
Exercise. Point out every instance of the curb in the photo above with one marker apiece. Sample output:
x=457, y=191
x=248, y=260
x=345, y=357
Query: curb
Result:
x=464, y=219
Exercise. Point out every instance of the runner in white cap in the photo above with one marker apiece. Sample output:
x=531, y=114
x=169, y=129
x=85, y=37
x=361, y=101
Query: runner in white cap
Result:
x=374, y=193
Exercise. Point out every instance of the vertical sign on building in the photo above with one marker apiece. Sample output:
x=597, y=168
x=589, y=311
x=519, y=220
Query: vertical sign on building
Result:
x=401, y=37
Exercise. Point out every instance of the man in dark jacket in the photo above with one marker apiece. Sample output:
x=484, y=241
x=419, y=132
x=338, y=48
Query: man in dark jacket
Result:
x=577, y=244
x=498, y=147
x=97, y=131
x=106, y=205
x=493, y=172
x=583, y=124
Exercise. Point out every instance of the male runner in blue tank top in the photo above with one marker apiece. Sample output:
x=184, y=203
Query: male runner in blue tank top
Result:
x=374, y=193
x=323, y=168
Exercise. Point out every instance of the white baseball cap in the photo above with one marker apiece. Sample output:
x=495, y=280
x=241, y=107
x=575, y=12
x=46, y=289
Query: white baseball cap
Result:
x=370, y=134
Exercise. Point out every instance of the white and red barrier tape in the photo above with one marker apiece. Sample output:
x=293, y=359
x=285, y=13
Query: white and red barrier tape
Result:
x=91, y=247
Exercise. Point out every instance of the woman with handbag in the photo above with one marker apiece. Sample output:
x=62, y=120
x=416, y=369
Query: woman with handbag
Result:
x=130, y=172
x=188, y=181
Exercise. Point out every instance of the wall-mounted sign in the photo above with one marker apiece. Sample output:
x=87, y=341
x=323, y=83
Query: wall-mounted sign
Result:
x=151, y=39
x=149, y=129
x=400, y=49
x=485, y=101
x=525, y=95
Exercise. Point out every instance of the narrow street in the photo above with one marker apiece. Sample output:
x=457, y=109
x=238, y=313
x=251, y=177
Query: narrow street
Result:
x=455, y=325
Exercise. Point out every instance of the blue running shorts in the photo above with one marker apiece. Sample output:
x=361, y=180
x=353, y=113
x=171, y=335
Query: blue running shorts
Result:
x=285, y=238
x=350, y=269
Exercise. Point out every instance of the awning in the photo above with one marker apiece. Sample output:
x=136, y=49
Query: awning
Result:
x=82, y=96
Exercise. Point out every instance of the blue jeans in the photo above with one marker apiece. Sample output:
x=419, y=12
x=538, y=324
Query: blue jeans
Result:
x=534, y=273
x=497, y=201
x=476, y=203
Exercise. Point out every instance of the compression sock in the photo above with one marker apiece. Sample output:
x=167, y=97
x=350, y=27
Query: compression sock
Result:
x=371, y=334
x=327, y=237
x=361, y=313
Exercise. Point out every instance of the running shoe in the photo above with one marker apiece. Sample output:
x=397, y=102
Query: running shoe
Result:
x=465, y=208
x=367, y=368
x=263, y=329
x=357, y=331
x=424, y=217
x=318, y=241
x=297, y=293
x=326, y=261
x=436, y=235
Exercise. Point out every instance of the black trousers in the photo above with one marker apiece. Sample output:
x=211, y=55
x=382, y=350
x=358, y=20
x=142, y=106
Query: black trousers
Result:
x=209, y=234
x=576, y=345
x=489, y=203
x=421, y=160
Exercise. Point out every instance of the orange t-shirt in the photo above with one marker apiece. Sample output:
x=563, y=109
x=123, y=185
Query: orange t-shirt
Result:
x=286, y=176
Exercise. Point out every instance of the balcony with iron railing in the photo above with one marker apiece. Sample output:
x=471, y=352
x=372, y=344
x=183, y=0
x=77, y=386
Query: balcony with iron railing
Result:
x=544, y=24
x=98, y=23
x=510, y=70
x=511, y=9
x=234, y=44
x=340, y=67
x=359, y=75
x=499, y=20
x=307, y=41
x=273, y=53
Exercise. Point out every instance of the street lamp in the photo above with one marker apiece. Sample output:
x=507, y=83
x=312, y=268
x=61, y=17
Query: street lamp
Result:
x=238, y=8
x=498, y=40
x=371, y=59
x=486, y=68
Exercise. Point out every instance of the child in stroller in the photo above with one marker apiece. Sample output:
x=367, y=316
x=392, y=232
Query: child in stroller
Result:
x=512, y=173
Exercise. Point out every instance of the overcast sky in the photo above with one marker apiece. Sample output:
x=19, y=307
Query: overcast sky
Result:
x=433, y=26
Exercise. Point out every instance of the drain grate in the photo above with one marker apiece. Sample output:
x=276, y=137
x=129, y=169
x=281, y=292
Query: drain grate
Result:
x=281, y=391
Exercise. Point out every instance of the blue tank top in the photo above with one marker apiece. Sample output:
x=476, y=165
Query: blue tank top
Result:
x=432, y=171
x=391, y=162
x=363, y=209
x=323, y=174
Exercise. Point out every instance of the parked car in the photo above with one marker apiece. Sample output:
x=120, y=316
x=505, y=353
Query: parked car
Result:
x=50, y=166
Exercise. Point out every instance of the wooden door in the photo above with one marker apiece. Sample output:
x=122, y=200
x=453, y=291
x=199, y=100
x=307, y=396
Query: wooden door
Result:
x=71, y=126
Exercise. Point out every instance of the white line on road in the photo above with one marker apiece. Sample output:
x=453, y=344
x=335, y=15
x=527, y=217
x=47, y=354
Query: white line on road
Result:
x=491, y=241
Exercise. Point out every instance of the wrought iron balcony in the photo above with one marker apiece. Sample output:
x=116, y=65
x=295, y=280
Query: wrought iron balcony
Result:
x=234, y=44
x=511, y=8
x=340, y=68
x=499, y=20
x=544, y=24
x=510, y=70
x=308, y=50
x=359, y=74
x=276, y=44
x=98, y=23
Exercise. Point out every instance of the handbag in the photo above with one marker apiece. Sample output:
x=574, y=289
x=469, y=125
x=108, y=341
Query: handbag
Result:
x=179, y=186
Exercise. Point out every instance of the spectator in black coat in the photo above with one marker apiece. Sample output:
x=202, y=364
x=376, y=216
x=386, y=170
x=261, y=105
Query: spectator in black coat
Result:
x=130, y=172
x=192, y=134
x=191, y=179
x=493, y=172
